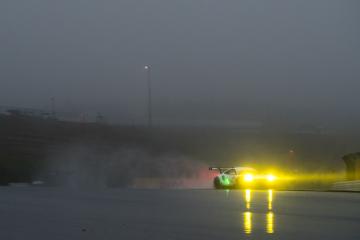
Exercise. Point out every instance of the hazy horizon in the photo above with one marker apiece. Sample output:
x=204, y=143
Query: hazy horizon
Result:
x=296, y=61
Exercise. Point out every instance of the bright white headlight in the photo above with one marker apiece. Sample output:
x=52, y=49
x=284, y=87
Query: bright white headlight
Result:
x=270, y=177
x=248, y=177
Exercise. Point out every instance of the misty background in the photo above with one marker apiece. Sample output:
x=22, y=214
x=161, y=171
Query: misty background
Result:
x=285, y=61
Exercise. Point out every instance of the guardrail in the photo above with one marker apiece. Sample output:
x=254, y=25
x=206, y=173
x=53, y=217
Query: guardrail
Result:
x=351, y=186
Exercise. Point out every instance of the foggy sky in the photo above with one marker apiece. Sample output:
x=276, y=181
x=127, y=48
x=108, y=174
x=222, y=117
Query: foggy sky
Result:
x=211, y=59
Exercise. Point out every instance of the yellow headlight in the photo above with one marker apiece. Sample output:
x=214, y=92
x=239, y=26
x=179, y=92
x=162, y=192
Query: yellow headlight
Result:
x=248, y=177
x=270, y=178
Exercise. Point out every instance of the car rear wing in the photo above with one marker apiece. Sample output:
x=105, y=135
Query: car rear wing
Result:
x=220, y=169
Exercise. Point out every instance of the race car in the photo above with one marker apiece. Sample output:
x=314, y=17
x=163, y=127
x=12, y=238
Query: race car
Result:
x=242, y=177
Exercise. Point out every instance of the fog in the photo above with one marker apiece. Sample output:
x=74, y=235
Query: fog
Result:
x=211, y=60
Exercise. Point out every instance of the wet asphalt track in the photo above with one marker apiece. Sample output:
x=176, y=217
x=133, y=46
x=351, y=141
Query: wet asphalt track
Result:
x=50, y=213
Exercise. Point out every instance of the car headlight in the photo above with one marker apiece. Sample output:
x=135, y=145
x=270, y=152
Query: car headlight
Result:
x=248, y=177
x=270, y=177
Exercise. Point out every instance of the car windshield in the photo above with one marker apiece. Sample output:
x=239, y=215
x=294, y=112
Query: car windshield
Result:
x=231, y=172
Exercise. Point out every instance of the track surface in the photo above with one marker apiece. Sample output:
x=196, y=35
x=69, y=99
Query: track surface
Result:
x=50, y=213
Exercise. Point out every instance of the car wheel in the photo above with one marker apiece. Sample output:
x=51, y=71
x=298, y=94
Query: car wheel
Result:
x=217, y=183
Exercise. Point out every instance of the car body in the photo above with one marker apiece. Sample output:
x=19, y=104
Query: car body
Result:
x=242, y=177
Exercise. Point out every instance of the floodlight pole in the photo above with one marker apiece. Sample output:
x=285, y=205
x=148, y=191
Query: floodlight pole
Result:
x=148, y=78
x=53, y=114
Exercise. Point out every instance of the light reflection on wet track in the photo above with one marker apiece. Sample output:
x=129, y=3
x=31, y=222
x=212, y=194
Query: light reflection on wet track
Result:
x=268, y=217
